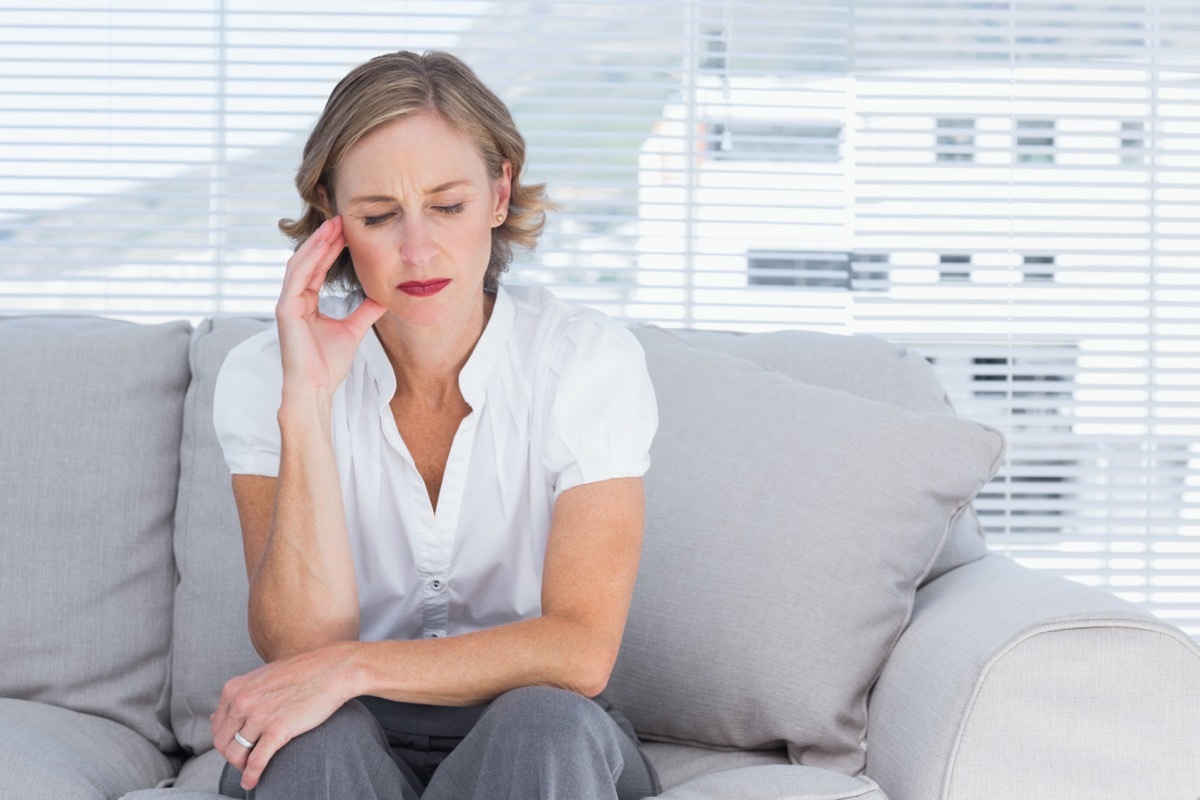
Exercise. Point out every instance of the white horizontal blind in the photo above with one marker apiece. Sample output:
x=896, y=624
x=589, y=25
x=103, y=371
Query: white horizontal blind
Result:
x=1011, y=187
x=1031, y=172
x=147, y=149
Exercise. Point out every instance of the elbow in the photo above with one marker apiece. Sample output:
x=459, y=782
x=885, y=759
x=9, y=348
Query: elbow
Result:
x=595, y=686
x=275, y=637
x=590, y=673
x=585, y=654
x=277, y=647
x=588, y=685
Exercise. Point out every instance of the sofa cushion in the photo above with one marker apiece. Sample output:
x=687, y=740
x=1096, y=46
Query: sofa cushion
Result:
x=89, y=461
x=211, y=641
x=787, y=528
x=776, y=783
x=869, y=367
x=679, y=763
x=201, y=773
x=172, y=794
x=50, y=752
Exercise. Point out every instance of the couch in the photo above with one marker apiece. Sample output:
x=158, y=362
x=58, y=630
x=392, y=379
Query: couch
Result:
x=816, y=616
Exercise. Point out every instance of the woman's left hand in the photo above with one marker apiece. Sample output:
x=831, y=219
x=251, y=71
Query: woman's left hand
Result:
x=276, y=703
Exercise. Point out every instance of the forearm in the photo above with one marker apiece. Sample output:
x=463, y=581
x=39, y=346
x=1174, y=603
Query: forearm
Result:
x=475, y=668
x=303, y=593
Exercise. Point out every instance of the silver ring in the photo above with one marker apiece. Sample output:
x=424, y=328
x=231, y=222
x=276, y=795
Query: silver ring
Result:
x=243, y=741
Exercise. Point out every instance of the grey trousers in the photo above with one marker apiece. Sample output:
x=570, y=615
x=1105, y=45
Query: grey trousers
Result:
x=534, y=742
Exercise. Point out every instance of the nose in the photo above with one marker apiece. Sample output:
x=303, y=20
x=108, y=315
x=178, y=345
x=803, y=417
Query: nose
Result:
x=417, y=246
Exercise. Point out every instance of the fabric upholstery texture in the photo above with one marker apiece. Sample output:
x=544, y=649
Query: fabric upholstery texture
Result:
x=776, y=783
x=89, y=477
x=211, y=642
x=49, y=752
x=1016, y=721
x=995, y=688
x=680, y=763
x=202, y=772
x=197, y=780
x=769, y=593
x=172, y=794
x=899, y=376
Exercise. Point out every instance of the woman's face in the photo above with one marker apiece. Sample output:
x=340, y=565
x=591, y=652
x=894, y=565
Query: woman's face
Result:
x=418, y=208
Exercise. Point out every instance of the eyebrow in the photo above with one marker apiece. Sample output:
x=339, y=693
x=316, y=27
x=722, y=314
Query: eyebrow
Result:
x=383, y=198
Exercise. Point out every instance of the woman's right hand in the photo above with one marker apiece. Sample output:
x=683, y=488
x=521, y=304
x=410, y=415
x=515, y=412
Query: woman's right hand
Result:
x=317, y=349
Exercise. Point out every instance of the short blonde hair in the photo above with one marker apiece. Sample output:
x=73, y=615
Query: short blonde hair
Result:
x=396, y=85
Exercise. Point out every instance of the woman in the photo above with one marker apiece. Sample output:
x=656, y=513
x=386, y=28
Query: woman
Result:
x=438, y=477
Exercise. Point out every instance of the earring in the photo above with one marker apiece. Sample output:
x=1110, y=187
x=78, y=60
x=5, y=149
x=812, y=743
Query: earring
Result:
x=499, y=219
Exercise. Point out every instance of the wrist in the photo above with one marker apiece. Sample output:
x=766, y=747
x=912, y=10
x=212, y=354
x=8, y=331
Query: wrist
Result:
x=352, y=678
x=301, y=408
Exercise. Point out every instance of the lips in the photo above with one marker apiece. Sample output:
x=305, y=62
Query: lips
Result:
x=423, y=288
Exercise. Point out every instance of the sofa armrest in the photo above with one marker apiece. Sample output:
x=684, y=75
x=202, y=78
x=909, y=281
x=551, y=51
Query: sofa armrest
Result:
x=1014, y=683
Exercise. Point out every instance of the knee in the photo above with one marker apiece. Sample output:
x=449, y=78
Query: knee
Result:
x=350, y=723
x=555, y=718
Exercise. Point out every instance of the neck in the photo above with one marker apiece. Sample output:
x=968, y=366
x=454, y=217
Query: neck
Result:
x=427, y=361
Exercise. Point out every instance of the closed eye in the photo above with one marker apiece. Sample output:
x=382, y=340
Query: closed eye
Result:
x=454, y=209
x=376, y=219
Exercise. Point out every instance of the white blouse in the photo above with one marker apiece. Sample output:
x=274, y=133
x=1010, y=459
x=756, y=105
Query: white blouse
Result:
x=559, y=397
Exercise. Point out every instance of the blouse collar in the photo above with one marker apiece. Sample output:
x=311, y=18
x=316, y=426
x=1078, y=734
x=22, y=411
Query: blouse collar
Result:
x=474, y=375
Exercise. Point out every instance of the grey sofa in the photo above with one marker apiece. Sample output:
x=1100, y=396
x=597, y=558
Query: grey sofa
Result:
x=816, y=617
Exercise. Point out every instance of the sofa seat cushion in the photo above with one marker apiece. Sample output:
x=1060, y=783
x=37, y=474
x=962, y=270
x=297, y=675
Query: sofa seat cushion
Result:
x=787, y=528
x=201, y=773
x=89, y=462
x=679, y=763
x=776, y=782
x=50, y=752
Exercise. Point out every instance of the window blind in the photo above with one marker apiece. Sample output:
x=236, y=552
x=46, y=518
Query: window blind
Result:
x=1010, y=187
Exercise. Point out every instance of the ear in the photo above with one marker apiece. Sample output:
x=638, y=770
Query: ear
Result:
x=502, y=187
x=327, y=206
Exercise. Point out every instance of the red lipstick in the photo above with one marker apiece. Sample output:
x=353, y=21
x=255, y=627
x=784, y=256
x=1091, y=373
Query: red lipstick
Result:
x=423, y=288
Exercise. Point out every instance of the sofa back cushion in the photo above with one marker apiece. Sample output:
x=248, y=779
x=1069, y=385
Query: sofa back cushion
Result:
x=89, y=462
x=211, y=642
x=866, y=366
x=787, y=528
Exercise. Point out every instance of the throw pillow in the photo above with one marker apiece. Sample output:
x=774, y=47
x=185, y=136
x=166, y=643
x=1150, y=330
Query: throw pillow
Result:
x=869, y=367
x=787, y=528
x=89, y=461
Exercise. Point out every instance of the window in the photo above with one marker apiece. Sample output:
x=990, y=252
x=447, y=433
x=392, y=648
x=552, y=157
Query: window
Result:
x=954, y=269
x=1039, y=269
x=1133, y=142
x=1035, y=141
x=955, y=139
x=774, y=141
x=1032, y=390
x=860, y=271
x=813, y=270
x=869, y=271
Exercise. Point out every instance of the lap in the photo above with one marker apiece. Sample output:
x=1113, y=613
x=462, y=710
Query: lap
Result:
x=517, y=725
x=347, y=751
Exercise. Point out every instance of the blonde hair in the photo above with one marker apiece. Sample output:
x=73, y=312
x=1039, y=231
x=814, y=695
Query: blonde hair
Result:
x=396, y=85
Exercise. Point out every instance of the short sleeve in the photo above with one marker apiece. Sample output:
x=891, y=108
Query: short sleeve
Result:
x=601, y=410
x=246, y=405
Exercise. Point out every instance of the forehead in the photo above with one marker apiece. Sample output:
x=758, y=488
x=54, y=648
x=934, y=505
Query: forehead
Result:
x=415, y=152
